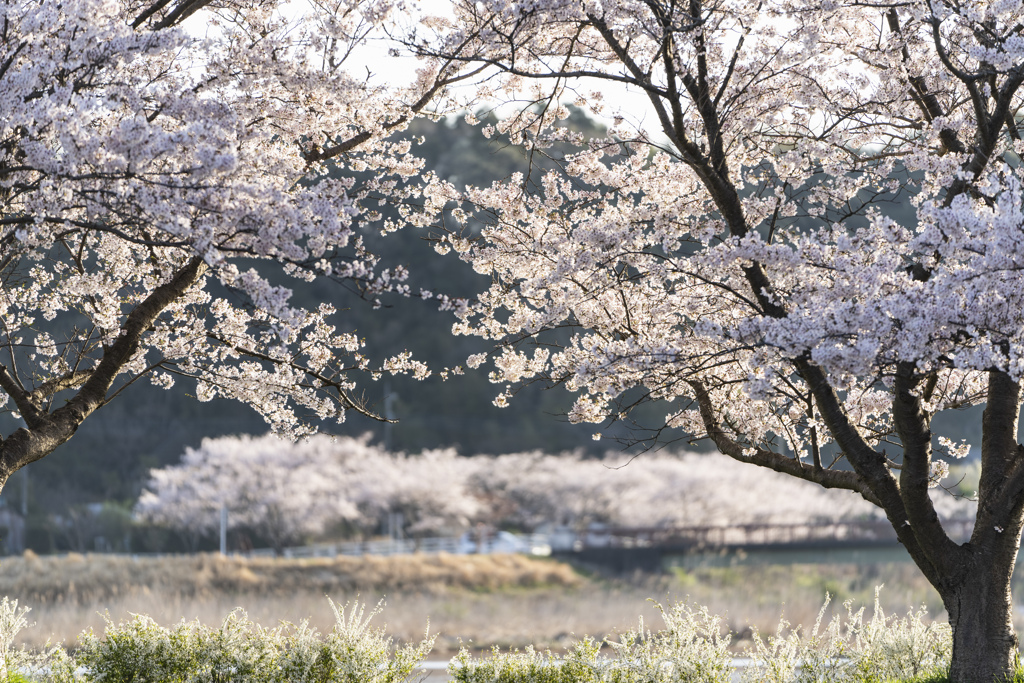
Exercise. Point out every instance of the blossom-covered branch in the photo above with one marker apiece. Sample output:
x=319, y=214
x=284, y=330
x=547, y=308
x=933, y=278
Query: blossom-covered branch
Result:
x=164, y=183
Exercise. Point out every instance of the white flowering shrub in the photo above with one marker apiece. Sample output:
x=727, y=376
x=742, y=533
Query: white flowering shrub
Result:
x=140, y=651
x=355, y=652
x=19, y=664
x=889, y=647
x=820, y=655
x=582, y=664
x=852, y=650
x=693, y=647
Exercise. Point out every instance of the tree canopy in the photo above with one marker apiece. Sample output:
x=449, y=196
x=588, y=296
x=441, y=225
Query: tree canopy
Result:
x=161, y=191
x=736, y=261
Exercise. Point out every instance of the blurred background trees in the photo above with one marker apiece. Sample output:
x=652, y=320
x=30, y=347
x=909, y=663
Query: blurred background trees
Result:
x=280, y=493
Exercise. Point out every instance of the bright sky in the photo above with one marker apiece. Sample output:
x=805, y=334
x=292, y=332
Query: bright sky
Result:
x=375, y=58
x=386, y=68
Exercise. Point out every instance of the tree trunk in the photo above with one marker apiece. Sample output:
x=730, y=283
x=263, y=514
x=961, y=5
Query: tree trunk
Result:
x=980, y=614
x=976, y=585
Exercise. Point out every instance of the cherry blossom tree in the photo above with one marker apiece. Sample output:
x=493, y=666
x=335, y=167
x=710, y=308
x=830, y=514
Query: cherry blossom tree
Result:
x=529, y=490
x=432, y=490
x=175, y=498
x=738, y=260
x=163, y=190
x=284, y=491
x=289, y=491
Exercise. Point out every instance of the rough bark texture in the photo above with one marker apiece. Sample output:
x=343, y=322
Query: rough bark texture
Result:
x=45, y=431
x=976, y=588
x=980, y=614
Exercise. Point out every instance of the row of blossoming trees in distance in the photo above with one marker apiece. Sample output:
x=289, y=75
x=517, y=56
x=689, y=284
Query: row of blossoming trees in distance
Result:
x=289, y=492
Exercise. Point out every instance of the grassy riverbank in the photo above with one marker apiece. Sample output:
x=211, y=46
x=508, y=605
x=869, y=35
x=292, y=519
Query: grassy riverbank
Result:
x=504, y=600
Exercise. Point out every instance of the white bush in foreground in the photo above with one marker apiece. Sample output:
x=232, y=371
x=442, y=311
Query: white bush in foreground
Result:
x=52, y=661
x=242, y=652
x=692, y=647
x=880, y=649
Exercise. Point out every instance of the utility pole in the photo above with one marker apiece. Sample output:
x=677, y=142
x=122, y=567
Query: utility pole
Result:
x=24, y=480
x=395, y=523
x=389, y=413
x=223, y=529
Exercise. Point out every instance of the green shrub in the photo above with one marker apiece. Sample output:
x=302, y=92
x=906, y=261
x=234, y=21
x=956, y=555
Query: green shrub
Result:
x=692, y=648
x=353, y=652
x=892, y=648
x=19, y=665
x=140, y=651
x=582, y=664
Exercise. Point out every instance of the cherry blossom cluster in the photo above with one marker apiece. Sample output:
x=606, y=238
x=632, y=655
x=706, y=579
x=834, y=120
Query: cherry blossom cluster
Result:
x=283, y=498
x=169, y=172
x=288, y=491
x=745, y=232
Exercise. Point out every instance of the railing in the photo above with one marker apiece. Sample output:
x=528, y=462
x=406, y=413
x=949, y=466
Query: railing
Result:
x=694, y=538
x=852, y=532
x=535, y=544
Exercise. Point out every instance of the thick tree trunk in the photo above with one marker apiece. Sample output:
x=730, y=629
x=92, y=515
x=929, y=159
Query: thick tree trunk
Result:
x=980, y=614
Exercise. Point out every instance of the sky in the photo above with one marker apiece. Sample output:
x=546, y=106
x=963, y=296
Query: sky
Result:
x=400, y=70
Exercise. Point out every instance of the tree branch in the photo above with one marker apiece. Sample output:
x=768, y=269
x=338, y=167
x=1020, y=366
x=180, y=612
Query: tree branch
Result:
x=50, y=431
x=346, y=400
x=69, y=381
x=912, y=426
x=28, y=408
x=1001, y=459
x=867, y=462
x=925, y=100
x=440, y=83
x=830, y=479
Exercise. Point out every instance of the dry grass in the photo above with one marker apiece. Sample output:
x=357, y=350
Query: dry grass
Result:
x=508, y=600
x=85, y=579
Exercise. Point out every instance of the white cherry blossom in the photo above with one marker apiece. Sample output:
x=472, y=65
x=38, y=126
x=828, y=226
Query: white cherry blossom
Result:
x=163, y=191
